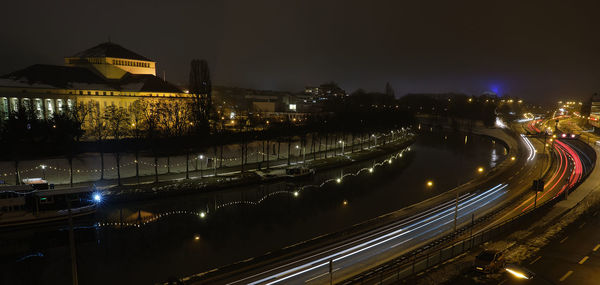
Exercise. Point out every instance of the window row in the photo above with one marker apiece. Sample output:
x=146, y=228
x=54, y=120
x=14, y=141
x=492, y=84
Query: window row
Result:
x=131, y=63
x=42, y=107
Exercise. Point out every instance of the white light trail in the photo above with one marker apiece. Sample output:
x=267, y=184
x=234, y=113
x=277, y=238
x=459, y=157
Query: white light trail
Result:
x=532, y=150
x=422, y=221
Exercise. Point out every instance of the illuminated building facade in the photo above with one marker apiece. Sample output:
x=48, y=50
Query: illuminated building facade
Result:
x=594, y=118
x=106, y=74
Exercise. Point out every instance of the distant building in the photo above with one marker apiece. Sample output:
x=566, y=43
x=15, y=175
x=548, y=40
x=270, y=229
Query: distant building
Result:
x=106, y=74
x=269, y=104
x=324, y=91
x=594, y=118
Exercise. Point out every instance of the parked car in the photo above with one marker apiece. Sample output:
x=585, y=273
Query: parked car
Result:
x=489, y=261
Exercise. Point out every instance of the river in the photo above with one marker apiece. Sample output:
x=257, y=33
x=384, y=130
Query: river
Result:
x=272, y=216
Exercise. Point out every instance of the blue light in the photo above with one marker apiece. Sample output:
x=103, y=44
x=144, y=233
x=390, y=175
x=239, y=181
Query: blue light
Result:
x=496, y=90
x=97, y=198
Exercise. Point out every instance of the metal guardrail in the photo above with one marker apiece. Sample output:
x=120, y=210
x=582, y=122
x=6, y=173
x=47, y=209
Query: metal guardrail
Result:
x=408, y=266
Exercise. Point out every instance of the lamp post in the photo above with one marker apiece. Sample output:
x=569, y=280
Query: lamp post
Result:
x=43, y=171
x=201, y=157
x=343, y=143
x=74, y=277
x=304, y=154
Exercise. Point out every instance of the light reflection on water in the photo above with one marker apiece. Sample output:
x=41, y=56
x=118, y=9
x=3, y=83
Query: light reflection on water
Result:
x=178, y=241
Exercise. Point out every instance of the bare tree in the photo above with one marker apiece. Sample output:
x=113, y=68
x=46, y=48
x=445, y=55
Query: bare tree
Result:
x=117, y=119
x=152, y=130
x=98, y=130
x=201, y=87
x=136, y=112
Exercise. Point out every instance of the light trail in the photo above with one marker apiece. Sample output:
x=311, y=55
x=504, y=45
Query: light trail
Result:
x=554, y=180
x=577, y=172
x=438, y=215
x=532, y=150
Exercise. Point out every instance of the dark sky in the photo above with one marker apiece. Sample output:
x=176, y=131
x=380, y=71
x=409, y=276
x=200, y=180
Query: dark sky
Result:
x=535, y=49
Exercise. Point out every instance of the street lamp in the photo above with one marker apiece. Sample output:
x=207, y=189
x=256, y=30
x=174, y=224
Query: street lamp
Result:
x=43, y=171
x=429, y=183
x=97, y=198
x=342, y=142
x=480, y=169
x=201, y=157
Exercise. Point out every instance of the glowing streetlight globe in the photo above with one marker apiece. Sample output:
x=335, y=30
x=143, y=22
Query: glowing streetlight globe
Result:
x=97, y=198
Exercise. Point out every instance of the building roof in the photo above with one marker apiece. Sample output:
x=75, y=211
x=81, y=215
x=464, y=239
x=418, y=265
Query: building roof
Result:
x=109, y=49
x=69, y=77
x=147, y=83
x=55, y=75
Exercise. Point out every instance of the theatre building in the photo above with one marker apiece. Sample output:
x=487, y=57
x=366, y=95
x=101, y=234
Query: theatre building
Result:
x=106, y=74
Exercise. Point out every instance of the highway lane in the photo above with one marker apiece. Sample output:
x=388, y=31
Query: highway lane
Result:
x=568, y=252
x=572, y=258
x=570, y=164
x=377, y=246
x=410, y=232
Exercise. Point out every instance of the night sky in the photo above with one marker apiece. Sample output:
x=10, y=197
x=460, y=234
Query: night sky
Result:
x=541, y=51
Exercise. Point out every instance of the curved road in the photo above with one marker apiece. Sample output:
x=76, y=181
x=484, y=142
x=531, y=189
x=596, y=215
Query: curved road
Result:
x=354, y=255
